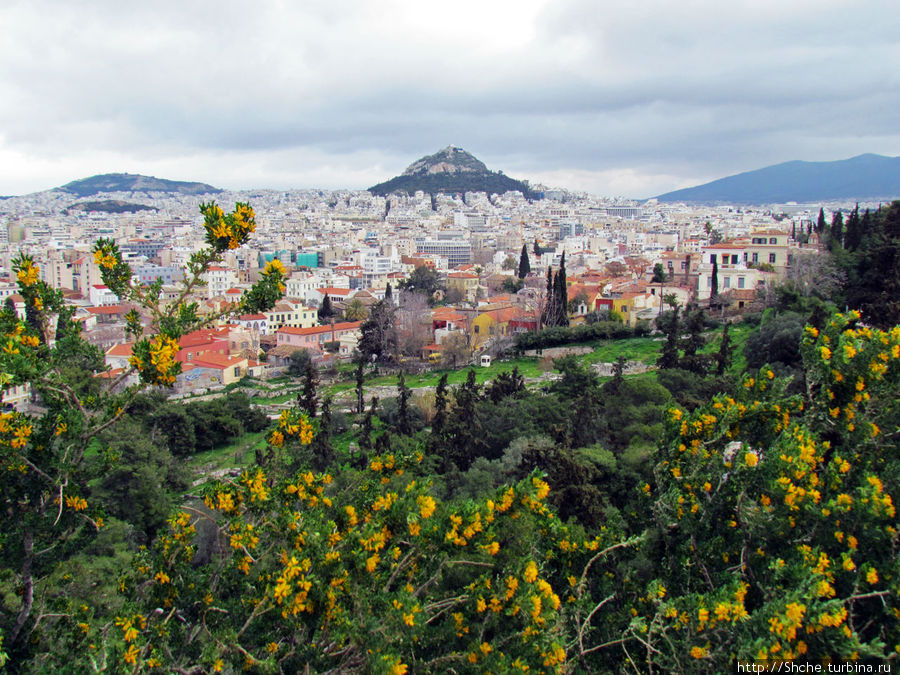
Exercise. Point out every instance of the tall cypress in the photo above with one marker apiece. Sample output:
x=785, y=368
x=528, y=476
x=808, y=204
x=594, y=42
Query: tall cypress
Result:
x=403, y=394
x=562, y=293
x=853, y=231
x=549, y=314
x=388, y=291
x=715, y=282
x=524, y=263
x=836, y=236
x=820, y=223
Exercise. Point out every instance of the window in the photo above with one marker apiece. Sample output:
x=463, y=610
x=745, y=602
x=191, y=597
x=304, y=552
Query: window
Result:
x=709, y=282
x=727, y=282
x=712, y=258
x=745, y=257
x=476, y=329
x=773, y=240
x=756, y=257
x=734, y=259
x=740, y=282
x=772, y=258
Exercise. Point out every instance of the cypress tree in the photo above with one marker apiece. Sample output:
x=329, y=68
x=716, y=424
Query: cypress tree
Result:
x=836, y=236
x=440, y=407
x=715, y=282
x=403, y=394
x=820, y=223
x=323, y=451
x=724, y=356
x=668, y=356
x=562, y=293
x=388, y=292
x=853, y=231
x=524, y=263
x=308, y=399
x=360, y=379
x=549, y=314
x=326, y=311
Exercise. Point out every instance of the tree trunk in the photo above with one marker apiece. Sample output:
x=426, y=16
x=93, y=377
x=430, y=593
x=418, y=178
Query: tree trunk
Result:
x=28, y=586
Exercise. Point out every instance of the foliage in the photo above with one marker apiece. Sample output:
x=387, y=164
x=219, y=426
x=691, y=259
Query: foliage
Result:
x=45, y=485
x=378, y=334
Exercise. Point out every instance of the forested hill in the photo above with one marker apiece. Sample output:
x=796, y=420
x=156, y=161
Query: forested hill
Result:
x=131, y=182
x=450, y=170
x=861, y=178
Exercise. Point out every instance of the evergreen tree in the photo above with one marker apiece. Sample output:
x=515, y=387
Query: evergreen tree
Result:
x=537, y=249
x=693, y=342
x=670, y=325
x=548, y=317
x=326, y=311
x=794, y=231
x=725, y=353
x=364, y=436
x=836, y=236
x=465, y=440
x=440, y=407
x=308, y=398
x=388, y=292
x=562, y=293
x=403, y=393
x=714, y=288
x=524, y=263
x=659, y=277
x=853, y=230
x=820, y=223
x=322, y=449
x=360, y=375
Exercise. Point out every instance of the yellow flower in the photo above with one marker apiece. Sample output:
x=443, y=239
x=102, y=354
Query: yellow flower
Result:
x=399, y=668
x=751, y=458
x=531, y=572
x=426, y=505
x=825, y=352
x=275, y=266
x=130, y=656
x=872, y=575
x=162, y=577
x=698, y=652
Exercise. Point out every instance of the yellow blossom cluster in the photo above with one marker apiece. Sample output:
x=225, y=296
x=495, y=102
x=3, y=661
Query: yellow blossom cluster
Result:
x=228, y=231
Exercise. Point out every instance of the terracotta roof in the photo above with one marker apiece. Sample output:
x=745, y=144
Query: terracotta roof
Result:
x=252, y=317
x=330, y=290
x=216, y=361
x=107, y=309
x=315, y=330
x=123, y=349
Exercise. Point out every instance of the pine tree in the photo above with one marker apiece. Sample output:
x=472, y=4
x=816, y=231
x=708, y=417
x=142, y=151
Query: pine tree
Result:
x=524, y=263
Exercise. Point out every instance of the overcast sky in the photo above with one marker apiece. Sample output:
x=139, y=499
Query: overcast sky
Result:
x=620, y=97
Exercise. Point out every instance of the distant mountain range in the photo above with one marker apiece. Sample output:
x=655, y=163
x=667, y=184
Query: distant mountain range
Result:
x=865, y=177
x=451, y=170
x=132, y=182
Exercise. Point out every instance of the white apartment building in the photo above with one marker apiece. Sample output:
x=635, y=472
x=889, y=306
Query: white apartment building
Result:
x=218, y=280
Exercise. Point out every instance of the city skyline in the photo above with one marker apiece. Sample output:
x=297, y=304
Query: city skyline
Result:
x=633, y=101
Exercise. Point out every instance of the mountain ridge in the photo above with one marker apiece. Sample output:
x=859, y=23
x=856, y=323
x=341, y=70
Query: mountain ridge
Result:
x=133, y=182
x=450, y=169
x=866, y=176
